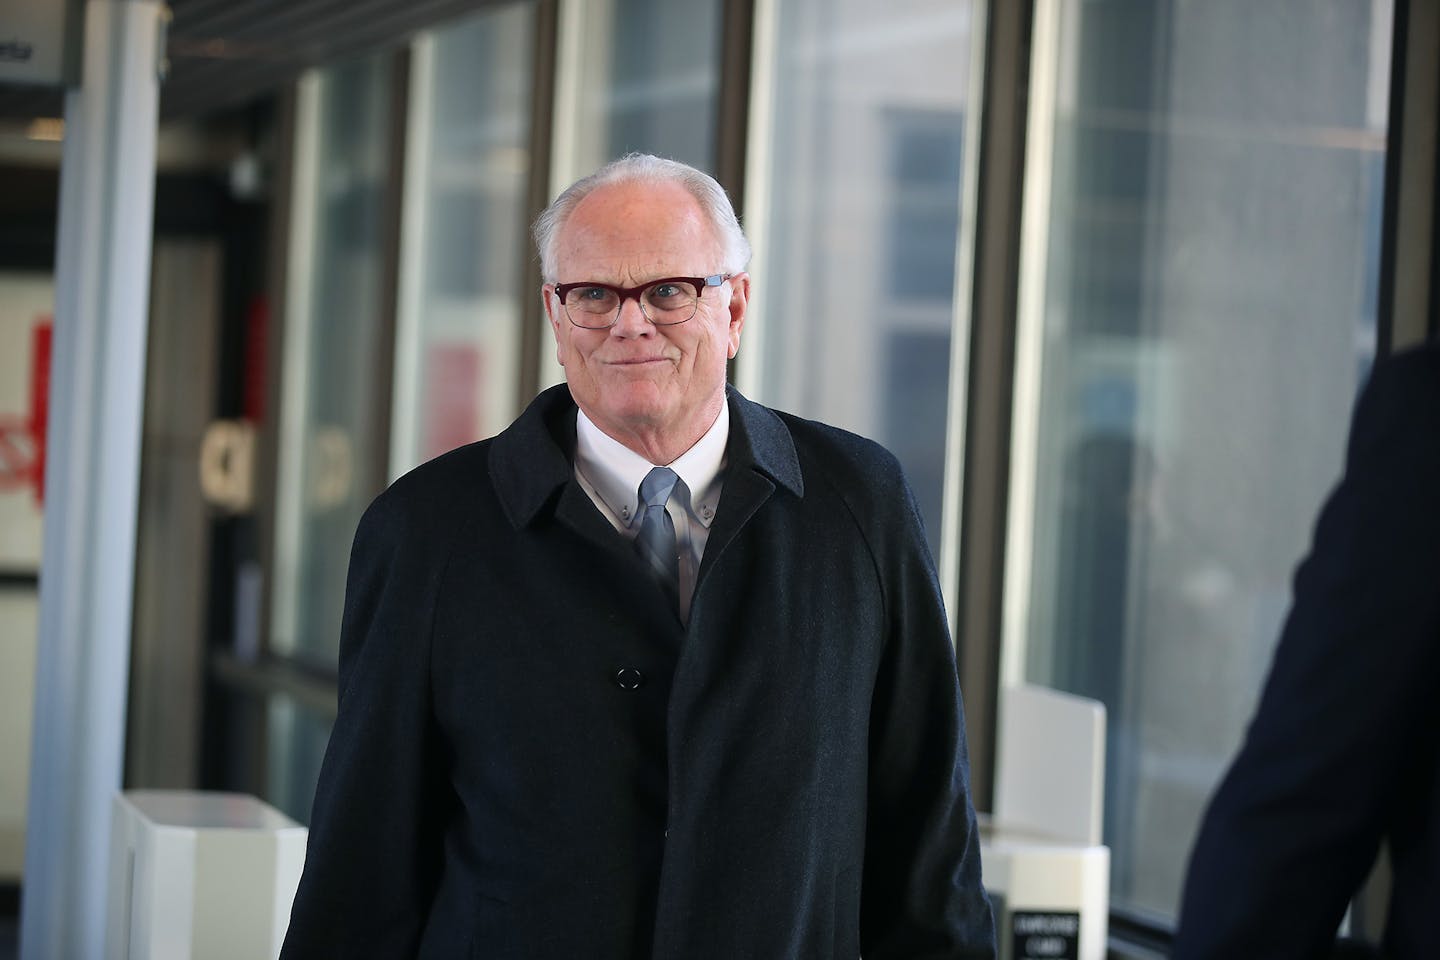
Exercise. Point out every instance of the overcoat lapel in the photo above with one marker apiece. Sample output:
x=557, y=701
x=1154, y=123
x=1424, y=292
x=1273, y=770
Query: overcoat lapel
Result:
x=532, y=466
x=760, y=458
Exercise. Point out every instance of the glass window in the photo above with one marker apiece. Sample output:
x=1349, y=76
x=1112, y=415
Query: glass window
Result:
x=857, y=234
x=329, y=437
x=644, y=77
x=1201, y=239
x=465, y=244
x=297, y=736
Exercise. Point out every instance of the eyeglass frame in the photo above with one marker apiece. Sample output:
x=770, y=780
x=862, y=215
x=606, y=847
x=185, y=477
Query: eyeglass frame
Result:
x=701, y=284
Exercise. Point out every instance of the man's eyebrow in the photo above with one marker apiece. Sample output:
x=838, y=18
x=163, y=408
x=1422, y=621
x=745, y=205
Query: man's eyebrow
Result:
x=658, y=278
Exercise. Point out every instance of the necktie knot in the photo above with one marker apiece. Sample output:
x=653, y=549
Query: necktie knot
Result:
x=655, y=489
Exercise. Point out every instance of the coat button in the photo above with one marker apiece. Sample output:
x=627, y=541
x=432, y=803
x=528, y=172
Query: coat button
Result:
x=628, y=678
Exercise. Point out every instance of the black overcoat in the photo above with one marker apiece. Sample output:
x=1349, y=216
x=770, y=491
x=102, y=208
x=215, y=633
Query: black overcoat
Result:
x=534, y=758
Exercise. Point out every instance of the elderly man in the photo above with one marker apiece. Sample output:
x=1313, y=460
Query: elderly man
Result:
x=656, y=672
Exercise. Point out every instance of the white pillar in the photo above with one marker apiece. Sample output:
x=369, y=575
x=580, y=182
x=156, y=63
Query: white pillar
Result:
x=107, y=180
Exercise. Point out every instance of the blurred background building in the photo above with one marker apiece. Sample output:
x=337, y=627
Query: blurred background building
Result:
x=1105, y=275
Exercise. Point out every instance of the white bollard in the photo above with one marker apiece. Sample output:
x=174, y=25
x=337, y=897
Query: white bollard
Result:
x=202, y=875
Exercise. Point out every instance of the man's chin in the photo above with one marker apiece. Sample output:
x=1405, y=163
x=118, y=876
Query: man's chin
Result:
x=631, y=414
x=640, y=417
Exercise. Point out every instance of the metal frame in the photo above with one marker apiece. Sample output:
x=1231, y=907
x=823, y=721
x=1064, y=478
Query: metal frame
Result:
x=410, y=252
x=376, y=474
x=737, y=21
x=987, y=444
x=754, y=201
x=1409, y=265
x=91, y=487
x=282, y=523
x=543, y=111
x=962, y=332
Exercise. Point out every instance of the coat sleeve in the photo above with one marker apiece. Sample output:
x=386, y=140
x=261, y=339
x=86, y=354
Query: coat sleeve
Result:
x=374, y=847
x=922, y=897
x=1296, y=823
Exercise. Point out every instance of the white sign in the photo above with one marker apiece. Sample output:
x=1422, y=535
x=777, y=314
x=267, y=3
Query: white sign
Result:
x=39, y=41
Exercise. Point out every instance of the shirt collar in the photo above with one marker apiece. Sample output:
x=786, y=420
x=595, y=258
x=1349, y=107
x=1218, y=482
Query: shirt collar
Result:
x=615, y=471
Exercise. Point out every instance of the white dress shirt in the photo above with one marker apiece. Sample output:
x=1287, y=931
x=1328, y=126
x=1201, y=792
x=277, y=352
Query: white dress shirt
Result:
x=610, y=473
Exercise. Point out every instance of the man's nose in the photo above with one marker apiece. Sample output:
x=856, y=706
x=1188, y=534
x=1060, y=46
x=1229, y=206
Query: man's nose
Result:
x=631, y=320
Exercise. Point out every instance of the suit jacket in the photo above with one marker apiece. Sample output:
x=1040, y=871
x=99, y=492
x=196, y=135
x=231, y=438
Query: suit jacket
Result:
x=534, y=759
x=1344, y=750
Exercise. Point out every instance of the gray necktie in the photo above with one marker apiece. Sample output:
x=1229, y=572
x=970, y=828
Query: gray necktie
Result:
x=656, y=541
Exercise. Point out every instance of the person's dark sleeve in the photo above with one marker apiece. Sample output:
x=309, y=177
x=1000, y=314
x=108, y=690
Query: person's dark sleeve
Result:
x=374, y=847
x=1296, y=824
x=922, y=897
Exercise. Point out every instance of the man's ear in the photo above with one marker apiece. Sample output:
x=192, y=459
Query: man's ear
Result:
x=552, y=311
x=739, y=303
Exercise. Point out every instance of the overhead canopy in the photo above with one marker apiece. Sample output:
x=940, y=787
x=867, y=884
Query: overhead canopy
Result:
x=225, y=52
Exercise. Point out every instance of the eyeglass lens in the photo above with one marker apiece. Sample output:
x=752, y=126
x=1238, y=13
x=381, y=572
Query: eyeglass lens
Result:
x=671, y=301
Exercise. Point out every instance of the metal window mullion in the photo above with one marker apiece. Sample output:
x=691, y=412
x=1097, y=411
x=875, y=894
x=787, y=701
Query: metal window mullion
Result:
x=543, y=93
x=986, y=470
x=412, y=254
x=961, y=327
x=1029, y=344
x=757, y=205
x=733, y=100
x=373, y=475
x=92, y=483
x=295, y=364
x=1412, y=202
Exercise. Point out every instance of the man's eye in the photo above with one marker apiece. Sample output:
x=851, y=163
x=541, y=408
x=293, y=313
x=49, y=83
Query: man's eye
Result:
x=665, y=291
x=595, y=294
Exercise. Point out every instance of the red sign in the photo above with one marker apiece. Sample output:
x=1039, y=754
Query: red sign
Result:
x=40, y=401
x=22, y=438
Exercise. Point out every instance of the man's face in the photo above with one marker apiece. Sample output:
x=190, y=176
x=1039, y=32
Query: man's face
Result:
x=650, y=387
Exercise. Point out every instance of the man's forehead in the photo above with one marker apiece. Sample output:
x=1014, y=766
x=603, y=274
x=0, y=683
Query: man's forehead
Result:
x=638, y=226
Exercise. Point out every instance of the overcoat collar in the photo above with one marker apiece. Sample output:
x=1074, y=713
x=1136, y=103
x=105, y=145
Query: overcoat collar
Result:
x=532, y=460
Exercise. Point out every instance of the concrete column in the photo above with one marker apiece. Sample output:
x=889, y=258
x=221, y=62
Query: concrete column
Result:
x=91, y=486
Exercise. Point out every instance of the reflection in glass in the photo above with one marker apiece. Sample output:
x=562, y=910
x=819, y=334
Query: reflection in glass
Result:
x=465, y=246
x=330, y=438
x=649, y=73
x=1203, y=316
x=297, y=738
x=856, y=288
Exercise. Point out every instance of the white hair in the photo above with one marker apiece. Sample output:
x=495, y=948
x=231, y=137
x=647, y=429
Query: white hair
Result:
x=646, y=168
